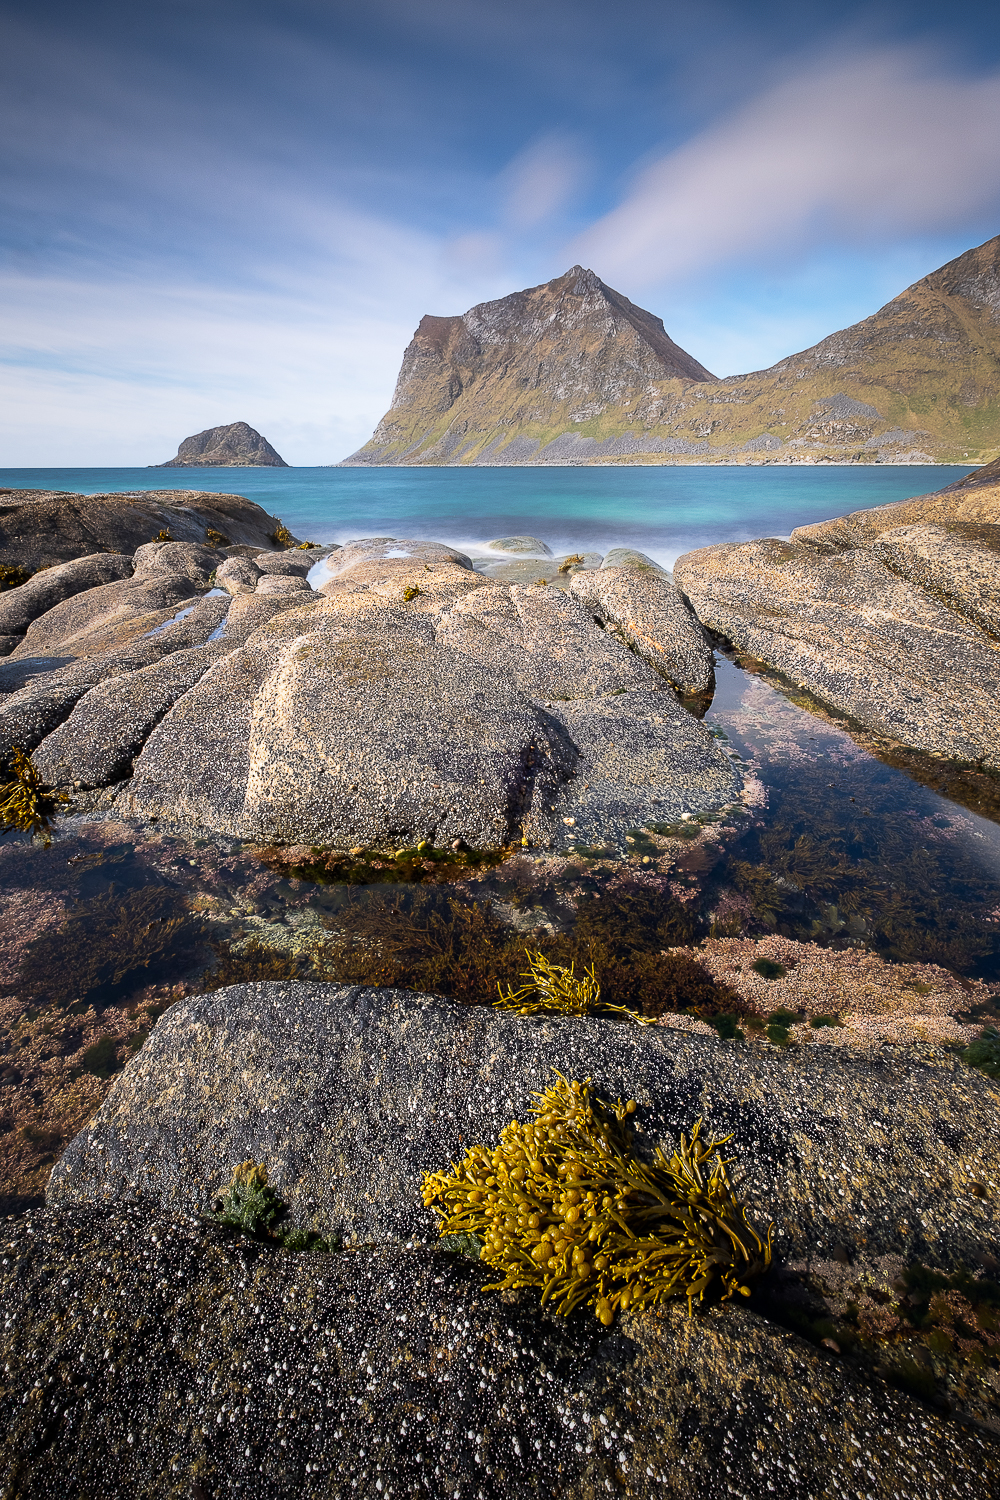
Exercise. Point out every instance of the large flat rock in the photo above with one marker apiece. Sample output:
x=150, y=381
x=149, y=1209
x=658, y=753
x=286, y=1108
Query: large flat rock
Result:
x=21, y=606
x=870, y=643
x=348, y=1095
x=144, y=1359
x=958, y=563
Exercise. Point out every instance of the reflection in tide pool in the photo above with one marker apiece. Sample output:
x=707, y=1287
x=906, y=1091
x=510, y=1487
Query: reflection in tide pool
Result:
x=844, y=849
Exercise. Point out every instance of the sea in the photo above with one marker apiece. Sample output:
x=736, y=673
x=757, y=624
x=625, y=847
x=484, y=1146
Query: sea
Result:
x=662, y=510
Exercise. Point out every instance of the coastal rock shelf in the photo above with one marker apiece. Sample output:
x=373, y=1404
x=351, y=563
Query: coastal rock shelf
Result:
x=411, y=698
x=890, y=615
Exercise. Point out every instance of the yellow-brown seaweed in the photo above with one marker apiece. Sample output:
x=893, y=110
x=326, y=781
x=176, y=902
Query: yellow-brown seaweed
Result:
x=24, y=802
x=563, y=1205
x=554, y=987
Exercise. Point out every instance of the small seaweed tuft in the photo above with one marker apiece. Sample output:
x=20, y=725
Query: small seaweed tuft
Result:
x=554, y=987
x=411, y=591
x=564, y=1206
x=11, y=576
x=768, y=969
x=216, y=538
x=25, y=803
x=163, y=536
x=250, y=1206
x=281, y=536
x=984, y=1052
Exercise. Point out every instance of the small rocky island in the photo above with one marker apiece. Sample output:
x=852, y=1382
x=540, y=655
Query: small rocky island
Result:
x=236, y=1283
x=235, y=446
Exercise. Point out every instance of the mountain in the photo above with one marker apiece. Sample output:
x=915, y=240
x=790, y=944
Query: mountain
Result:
x=572, y=372
x=234, y=446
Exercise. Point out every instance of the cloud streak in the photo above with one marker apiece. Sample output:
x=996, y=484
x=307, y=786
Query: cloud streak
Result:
x=851, y=151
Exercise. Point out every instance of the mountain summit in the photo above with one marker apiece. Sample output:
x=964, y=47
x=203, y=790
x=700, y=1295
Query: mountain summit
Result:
x=573, y=372
x=501, y=380
x=236, y=446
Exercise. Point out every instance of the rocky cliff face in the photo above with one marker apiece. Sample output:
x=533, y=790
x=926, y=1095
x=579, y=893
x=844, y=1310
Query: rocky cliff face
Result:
x=572, y=372
x=535, y=369
x=237, y=445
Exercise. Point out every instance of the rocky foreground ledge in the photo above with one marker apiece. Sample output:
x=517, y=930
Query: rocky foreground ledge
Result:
x=144, y=1355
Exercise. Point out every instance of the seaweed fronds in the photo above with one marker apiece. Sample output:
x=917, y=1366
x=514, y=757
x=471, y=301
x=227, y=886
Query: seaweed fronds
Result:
x=163, y=536
x=564, y=1206
x=216, y=538
x=569, y=563
x=281, y=536
x=25, y=802
x=250, y=1206
x=984, y=1052
x=554, y=987
x=411, y=591
x=11, y=576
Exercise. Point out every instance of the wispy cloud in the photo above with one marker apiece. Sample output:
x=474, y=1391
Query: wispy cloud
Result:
x=849, y=151
x=542, y=180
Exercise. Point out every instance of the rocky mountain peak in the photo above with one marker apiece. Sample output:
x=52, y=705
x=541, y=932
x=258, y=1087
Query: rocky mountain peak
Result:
x=237, y=445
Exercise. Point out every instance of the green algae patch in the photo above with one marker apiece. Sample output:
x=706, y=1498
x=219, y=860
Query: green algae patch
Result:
x=564, y=1206
x=249, y=1206
x=984, y=1052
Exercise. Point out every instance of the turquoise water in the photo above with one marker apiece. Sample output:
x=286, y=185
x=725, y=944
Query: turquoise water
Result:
x=664, y=510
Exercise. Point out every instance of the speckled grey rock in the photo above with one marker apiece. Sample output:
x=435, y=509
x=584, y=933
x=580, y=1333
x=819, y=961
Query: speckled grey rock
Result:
x=286, y=564
x=866, y=641
x=20, y=606
x=379, y=548
x=958, y=563
x=110, y=615
x=628, y=557
x=146, y=1359
x=96, y=745
x=370, y=732
x=652, y=617
x=238, y=575
x=543, y=641
x=524, y=544
x=639, y=758
x=350, y=1094
x=557, y=572
x=188, y=558
x=279, y=583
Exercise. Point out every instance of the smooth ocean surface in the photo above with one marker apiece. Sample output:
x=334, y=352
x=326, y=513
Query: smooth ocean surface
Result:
x=662, y=510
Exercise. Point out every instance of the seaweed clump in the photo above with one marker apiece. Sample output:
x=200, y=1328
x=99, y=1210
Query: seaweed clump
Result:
x=281, y=536
x=564, y=1206
x=554, y=987
x=108, y=945
x=216, y=538
x=250, y=1206
x=24, y=802
x=11, y=576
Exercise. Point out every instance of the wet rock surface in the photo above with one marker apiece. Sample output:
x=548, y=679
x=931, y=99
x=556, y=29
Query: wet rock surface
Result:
x=145, y=1357
x=350, y=1094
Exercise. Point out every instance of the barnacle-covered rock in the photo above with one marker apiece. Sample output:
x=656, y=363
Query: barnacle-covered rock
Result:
x=646, y=611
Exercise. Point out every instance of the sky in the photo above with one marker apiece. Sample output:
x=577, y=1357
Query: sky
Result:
x=222, y=210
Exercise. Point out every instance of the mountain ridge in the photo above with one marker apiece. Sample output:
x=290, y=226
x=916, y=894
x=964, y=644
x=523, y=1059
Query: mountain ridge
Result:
x=573, y=372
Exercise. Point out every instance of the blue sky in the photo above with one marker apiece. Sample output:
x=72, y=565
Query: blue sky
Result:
x=216, y=211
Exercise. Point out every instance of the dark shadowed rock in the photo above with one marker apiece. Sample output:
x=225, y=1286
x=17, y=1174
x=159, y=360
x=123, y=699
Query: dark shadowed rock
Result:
x=652, y=617
x=152, y=1361
x=40, y=527
x=96, y=745
x=236, y=445
x=348, y=1095
x=21, y=606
